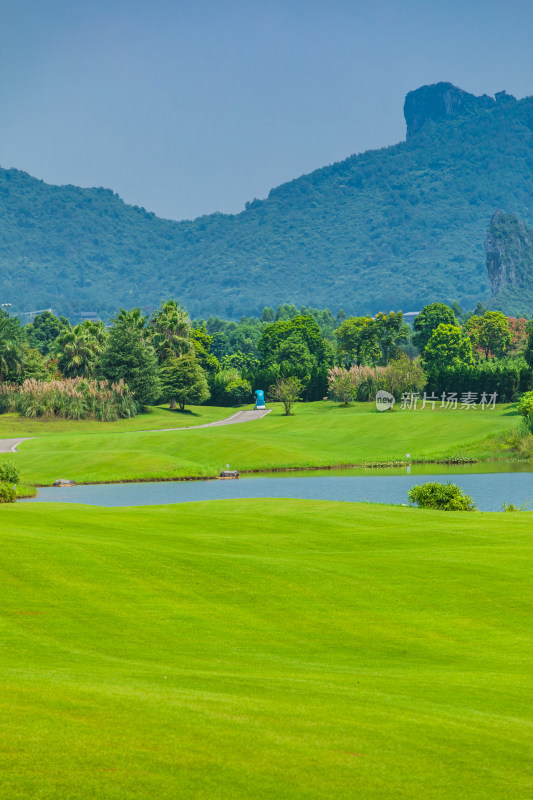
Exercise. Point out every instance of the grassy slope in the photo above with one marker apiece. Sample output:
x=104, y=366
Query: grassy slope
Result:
x=12, y=425
x=318, y=434
x=264, y=649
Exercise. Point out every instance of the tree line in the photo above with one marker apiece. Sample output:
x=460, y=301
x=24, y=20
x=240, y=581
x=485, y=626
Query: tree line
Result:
x=116, y=369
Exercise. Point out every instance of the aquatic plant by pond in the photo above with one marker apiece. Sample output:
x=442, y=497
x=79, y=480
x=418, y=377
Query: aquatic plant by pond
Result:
x=445, y=497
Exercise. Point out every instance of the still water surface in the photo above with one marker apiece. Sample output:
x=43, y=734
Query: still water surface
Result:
x=488, y=489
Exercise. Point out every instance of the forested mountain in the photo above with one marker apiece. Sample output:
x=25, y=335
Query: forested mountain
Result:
x=391, y=228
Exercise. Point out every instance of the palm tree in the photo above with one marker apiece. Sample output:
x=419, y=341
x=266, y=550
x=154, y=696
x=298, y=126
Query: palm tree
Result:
x=171, y=331
x=132, y=319
x=78, y=349
x=11, y=346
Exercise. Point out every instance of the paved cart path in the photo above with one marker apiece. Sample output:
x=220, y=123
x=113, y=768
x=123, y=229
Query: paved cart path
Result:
x=11, y=445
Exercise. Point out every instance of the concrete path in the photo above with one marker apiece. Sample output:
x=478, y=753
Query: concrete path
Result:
x=240, y=416
x=10, y=445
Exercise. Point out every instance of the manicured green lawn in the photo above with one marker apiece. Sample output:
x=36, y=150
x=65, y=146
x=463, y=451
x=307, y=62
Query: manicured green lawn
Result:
x=319, y=434
x=12, y=425
x=265, y=649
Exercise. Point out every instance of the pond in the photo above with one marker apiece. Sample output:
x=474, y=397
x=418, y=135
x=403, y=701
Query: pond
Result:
x=488, y=489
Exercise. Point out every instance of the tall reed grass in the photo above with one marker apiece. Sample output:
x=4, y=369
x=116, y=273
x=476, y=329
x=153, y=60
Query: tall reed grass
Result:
x=71, y=398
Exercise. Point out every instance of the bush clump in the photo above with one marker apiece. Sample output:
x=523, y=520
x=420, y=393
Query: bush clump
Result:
x=7, y=493
x=525, y=407
x=9, y=473
x=444, y=497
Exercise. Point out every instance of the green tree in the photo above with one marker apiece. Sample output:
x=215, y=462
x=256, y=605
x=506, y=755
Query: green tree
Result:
x=391, y=333
x=238, y=390
x=342, y=385
x=36, y=366
x=528, y=352
x=12, y=347
x=79, y=348
x=202, y=342
x=403, y=375
x=490, y=333
x=184, y=382
x=44, y=330
x=132, y=318
x=303, y=326
x=294, y=359
x=447, y=347
x=358, y=343
x=170, y=329
x=129, y=357
x=286, y=391
x=428, y=320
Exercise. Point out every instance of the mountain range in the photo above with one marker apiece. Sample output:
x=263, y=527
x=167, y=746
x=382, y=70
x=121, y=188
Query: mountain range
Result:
x=393, y=228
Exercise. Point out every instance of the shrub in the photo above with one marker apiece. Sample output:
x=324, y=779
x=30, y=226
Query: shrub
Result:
x=286, y=391
x=512, y=507
x=238, y=390
x=9, y=473
x=7, y=493
x=404, y=375
x=525, y=407
x=445, y=497
x=358, y=382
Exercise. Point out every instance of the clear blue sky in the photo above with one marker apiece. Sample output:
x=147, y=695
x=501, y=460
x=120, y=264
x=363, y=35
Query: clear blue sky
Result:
x=192, y=106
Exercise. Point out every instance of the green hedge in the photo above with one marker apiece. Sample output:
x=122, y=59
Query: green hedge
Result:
x=508, y=378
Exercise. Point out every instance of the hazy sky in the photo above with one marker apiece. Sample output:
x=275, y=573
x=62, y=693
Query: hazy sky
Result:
x=187, y=107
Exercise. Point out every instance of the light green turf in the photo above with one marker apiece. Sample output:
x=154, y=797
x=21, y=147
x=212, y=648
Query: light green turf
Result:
x=319, y=434
x=265, y=649
x=12, y=425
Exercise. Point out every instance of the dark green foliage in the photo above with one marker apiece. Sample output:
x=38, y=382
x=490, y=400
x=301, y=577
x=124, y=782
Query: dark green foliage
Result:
x=428, y=320
x=12, y=343
x=507, y=378
x=129, y=358
x=79, y=348
x=303, y=327
x=368, y=341
x=294, y=348
x=202, y=343
x=528, y=353
x=184, y=381
x=44, y=330
x=170, y=331
x=445, y=497
x=392, y=228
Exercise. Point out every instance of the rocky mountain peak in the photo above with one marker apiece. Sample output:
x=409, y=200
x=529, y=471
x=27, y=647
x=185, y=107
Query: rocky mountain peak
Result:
x=509, y=252
x=443, y=100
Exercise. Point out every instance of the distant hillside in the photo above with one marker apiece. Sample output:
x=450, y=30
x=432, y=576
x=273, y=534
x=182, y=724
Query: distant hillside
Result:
x=391, y=228
x=509, y=251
